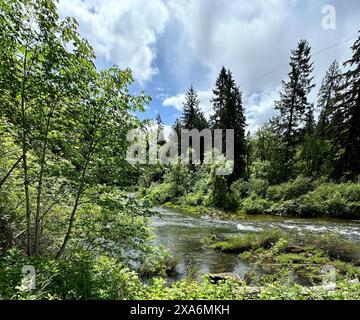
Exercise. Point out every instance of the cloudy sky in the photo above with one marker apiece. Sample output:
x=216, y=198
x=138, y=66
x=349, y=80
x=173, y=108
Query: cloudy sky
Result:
x=171, y=44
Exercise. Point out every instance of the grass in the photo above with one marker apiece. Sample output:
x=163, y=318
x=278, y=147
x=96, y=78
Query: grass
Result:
x=248, y=242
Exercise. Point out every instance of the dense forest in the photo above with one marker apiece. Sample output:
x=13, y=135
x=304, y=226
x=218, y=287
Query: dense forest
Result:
x=294, y=164
x=72, y=207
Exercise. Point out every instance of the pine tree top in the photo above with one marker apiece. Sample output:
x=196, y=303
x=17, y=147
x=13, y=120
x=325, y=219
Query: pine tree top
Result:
x=192, y=117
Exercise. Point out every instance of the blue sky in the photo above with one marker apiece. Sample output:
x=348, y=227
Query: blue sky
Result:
x=171, y=44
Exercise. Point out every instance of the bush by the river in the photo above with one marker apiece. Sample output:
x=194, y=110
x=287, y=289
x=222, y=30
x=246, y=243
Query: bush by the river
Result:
x=83, y=276
x=302, y=197
x=299, y=197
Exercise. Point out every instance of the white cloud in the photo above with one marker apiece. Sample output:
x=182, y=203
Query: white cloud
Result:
x=239, y=34
x=122, y=32
x=260, y=107
x=175, y=101
x=254, y=37
x=198, y=37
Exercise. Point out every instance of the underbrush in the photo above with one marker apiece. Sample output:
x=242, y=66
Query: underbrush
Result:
x=280, y=289
x=79, y=276
x=300, y=197
x=158, y=262
x=83, y=276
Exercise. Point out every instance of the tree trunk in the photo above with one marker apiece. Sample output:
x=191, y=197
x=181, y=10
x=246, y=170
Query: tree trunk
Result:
x=290, y=125
x=71, y=222
x=76, y=204
x=3, y=180
x=39, y=189
x=24, y=157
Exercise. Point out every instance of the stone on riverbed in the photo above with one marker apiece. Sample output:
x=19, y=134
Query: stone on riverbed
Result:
x=216, y=277
x=294, y=249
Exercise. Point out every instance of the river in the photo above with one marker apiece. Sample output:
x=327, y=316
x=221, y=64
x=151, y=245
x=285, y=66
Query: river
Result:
x=182, y=234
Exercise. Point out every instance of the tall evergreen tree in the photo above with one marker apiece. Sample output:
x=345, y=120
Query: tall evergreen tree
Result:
x=193, y=117
x=220, y=98
x=294, y=107
x=349, y=117
x=249, y=150
x=327, y=100
x=229, y=114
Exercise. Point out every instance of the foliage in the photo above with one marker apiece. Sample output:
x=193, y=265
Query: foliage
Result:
x=65, y=205
x=290, y=190
x=80, y=276
x=193, y=117
x=229, y=114
x=159, y=262
x=230, y=290
x=336, y=200
x=306, y=255
x=293, y=105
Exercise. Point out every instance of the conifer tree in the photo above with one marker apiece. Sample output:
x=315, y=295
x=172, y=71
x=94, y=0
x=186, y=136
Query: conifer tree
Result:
x=348, y=118
x=293, y=106
x=229, y=114
x=193, y=117
x=327, y=100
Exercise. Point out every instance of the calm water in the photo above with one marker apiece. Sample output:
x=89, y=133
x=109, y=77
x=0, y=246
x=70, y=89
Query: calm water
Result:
x=182, y=233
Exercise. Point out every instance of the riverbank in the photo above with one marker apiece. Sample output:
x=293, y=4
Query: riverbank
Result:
x=301, y=197
x=280, y=289
x=217, y=213
x=202, y=210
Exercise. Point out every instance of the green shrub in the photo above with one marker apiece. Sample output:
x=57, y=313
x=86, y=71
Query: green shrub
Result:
x=187, y=289
x=179, y=180
x=193, y=199
x=279, y=289
x=338, y=200
x=240, y=189
x=79, y=276
x=158, y=262
x=290, y=190
x=255, y=205
x=112, y=281
x=259, y=187
x=160, y=193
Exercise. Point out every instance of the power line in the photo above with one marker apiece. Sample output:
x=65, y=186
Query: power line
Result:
x=287, y=65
